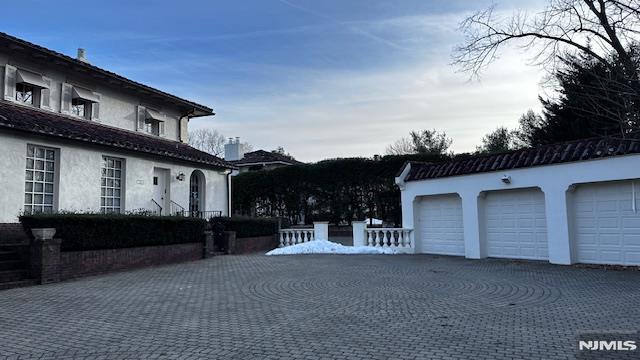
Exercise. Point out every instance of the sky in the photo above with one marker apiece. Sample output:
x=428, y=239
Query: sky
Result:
x=323, y=79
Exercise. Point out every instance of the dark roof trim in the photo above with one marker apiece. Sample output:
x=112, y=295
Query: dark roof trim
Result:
x=40, y=122
x=572, y=151
x=205, y=110
x=265, y=157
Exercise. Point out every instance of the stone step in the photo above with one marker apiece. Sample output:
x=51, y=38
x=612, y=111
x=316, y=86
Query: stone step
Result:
x=11, y=265
x=17, y=284
x=13, y=275
x=13, y=234
x=8, y=255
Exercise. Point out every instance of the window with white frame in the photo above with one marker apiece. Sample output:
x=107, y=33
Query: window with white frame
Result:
x=40, y=180
x=26, y=87
x=152, y=127
x=25, y=93
x=79, y=107
x=111, y=189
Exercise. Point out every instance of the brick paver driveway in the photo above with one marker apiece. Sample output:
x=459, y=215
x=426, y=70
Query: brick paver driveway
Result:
x=321, y=307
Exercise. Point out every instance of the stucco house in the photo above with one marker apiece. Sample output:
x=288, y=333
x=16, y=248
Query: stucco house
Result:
x=575, y=202
x=254, y=160
x=79, y=138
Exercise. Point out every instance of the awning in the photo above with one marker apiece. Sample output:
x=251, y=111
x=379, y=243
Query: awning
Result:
x=84, y=94
x=152, y=114
x=25, y=77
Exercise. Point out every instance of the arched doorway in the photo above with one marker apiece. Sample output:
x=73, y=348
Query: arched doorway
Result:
x=196, y=192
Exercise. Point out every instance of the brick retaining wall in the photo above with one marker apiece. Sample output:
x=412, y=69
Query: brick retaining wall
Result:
x=236, y=246
x=75, y=264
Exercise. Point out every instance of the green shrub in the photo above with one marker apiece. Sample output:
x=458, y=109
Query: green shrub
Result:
x=247, y=226
x=97, y=231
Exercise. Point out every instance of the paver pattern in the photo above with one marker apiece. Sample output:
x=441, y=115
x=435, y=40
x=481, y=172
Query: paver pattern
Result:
x=321, y=307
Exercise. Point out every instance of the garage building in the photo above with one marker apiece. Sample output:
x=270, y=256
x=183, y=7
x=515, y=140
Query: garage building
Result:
x=573, y=202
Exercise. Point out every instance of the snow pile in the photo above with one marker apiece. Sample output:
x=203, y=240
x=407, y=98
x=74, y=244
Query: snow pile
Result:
x=328, y=247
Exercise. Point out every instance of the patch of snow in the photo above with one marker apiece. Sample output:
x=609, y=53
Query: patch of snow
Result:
x=328, y=247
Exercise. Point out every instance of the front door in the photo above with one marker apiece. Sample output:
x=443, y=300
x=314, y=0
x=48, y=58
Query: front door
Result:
x=194, y=199
x=160, y=191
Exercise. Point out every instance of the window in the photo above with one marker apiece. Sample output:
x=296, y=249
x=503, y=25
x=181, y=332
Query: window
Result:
x=150, y=121
x=40, y=180
x=152, y=127
x=111, y=190
x=79, y=107
x=25, y=93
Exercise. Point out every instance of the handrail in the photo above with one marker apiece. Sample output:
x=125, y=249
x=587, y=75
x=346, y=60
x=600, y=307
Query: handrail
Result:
x=158, y=205
x=174, y=205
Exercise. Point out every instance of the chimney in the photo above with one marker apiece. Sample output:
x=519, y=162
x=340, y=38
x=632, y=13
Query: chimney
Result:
x=82, y=55
x=233, y=150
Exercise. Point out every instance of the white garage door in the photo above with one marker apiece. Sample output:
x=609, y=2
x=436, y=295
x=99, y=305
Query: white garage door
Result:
x=515, y=224
x=440, y=225
x=606, y=229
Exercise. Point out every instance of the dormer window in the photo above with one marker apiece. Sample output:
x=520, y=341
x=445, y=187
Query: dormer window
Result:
x=24, y=93
x=26, y=87
x=150, y=121
x=152, y=126
x=80, y=102
x=79, y=107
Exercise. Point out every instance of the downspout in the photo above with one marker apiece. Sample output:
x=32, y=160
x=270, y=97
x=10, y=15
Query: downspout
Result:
x=229, y=194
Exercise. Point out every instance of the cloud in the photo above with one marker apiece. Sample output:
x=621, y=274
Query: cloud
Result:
x=359, y=113
x=339, y=113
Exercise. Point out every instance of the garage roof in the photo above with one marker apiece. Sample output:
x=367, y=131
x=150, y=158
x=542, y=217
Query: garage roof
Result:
x=577, y=150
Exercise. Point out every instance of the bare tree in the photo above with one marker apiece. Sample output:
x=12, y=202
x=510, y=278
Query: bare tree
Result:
x=596, y=28
x=421, y=142
x=207, y=140
x=402, y=146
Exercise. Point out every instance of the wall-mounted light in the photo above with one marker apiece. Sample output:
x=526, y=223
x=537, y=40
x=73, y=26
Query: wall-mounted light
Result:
x=181, y=177
x=506, y=179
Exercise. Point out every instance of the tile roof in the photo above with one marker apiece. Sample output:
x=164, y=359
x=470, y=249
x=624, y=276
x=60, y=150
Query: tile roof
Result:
x=62, y=57
x=261, y=156
x=41, y=122
x=577, y=150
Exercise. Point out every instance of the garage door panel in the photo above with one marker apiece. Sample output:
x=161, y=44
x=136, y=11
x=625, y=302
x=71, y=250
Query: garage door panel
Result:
x=610, y=233
x=440, y=219
x=515, y=224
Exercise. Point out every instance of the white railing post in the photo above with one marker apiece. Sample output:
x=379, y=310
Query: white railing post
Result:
x=321, y=230
x=359, y=233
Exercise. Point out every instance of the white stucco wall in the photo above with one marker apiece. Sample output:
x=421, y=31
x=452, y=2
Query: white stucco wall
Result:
x=554, y=180
x=79, y=177
x=117, y=105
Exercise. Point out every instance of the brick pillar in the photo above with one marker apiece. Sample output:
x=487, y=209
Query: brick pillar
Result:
x=45, y=256
x=208, y=244
x=230, y=241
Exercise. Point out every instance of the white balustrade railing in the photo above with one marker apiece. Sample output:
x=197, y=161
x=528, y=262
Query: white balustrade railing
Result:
x=290, y=237
x=399, y=238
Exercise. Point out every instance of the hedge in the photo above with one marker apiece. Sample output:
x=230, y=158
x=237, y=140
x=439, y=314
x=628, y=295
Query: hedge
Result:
x=247, y=226
x=337, y=190
x=98, y=231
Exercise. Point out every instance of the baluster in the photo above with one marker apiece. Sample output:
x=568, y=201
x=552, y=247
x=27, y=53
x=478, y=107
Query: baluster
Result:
x=281, y=239
x=401, y=238
x=369, y=238
x=297, y=235
x=388, y=239
x=290, y=238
